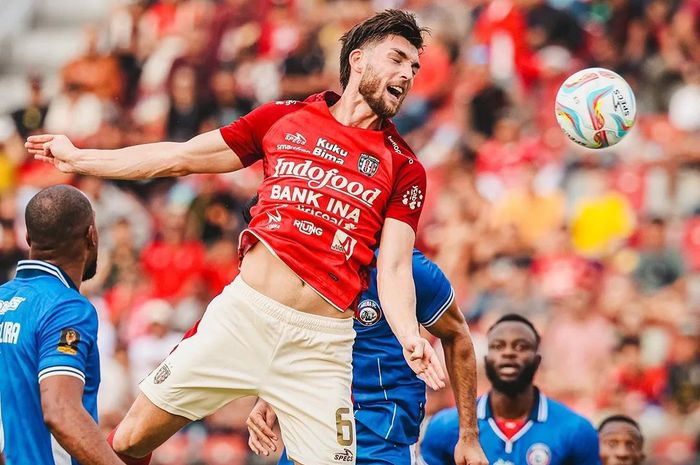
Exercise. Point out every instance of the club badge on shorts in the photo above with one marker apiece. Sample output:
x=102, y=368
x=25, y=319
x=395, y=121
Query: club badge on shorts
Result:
x=367, y=164
x=68, y=342
x=162, y=374
x=538, y=454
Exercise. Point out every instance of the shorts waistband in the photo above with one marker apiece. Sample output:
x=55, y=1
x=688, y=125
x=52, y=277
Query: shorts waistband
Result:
x=290, y=315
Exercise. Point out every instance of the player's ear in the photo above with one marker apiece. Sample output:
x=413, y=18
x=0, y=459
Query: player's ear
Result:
x=358, y=58
x=91, y=236
x=537, y=361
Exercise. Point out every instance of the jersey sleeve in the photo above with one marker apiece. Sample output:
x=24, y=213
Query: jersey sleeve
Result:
x=245, y=135
x=406, y=201
x=434, y=294
x=584, y=445
x=66, y=338
x=439, y=441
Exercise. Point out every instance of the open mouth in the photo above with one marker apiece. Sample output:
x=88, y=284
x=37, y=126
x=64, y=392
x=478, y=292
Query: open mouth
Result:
x=508, y=369
x=396, y=91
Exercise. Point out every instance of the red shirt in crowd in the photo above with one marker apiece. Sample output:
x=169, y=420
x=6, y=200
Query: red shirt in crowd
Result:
x=326, y=191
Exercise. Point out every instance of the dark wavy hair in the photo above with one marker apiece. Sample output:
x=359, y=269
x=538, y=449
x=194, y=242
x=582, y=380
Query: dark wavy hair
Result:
x=377, y=28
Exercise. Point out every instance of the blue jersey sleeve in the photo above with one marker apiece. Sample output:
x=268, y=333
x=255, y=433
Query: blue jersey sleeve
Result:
x=440, y=439
x=66, y=336
x=584, y=445
x=434, y=293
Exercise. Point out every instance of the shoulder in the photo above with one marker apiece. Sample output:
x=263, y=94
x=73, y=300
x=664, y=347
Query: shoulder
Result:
x=560, y=414
x=444, y=420
x=425, y=269
x=397, y=145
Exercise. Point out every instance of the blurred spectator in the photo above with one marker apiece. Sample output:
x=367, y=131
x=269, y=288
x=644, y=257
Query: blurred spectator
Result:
x=173, y=262
x=229, y=104
x=684, y=371
x=10, y=254
x=74, y=112
x=30, y=119
x=148, y=350
x=302, y=69
x=94, y=72
x=659, y=265
x=187, y=112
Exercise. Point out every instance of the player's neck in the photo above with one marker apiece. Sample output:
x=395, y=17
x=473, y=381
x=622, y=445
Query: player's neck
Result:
x=512, y=407
x=352, y=110
x=73, y=269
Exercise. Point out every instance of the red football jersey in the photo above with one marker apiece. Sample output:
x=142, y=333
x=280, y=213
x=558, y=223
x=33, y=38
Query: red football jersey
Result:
x=326, y=191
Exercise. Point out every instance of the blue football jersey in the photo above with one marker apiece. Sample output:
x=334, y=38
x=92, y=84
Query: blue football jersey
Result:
x=388, y=396
x=553, y=435
x=47, y=328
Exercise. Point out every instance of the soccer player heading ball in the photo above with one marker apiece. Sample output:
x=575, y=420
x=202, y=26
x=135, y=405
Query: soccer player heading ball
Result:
x=337, y=177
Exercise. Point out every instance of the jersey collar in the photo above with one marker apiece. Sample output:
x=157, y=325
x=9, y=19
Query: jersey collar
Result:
x=34, y=268
x=539, y=412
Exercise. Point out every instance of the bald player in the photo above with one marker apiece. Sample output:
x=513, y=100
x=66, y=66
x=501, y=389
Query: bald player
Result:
x=48, y=333
x=621, y=441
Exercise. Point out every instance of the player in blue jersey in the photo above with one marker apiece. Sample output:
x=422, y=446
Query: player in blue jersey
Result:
x=388, y=398
x=49, y=363
x=621, y=441
x=518, y=424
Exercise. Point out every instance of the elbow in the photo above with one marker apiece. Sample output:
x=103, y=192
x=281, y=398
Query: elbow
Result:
x=182, y=163
x=54, y=418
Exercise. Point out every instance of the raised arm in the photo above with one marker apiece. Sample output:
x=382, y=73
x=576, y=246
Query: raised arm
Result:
x=461, y=366
x=205, y=153
x=71, y=424
x=397, y=294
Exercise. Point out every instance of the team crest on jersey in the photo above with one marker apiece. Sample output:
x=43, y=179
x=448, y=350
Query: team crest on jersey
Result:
x=68, y=342
x=368, y=164
x=368, y=312
x=538, y=454
x=161, y=375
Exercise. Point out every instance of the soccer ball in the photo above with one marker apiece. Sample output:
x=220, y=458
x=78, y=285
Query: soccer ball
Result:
x=595, y=108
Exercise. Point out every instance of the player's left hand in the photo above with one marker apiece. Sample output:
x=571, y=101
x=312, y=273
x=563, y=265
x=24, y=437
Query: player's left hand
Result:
x=421, y=357
x=260, y=422
x=468, y=451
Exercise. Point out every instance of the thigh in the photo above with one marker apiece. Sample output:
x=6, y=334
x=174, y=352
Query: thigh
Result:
x=373, y=449
x=309, y=389
x=224, y=359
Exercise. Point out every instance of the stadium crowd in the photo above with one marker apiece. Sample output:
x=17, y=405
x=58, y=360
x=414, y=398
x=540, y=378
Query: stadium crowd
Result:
x=600, y=249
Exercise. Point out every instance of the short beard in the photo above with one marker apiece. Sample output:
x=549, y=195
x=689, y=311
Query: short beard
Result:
x=369, y=86
x=90, y=270
x=511, y=388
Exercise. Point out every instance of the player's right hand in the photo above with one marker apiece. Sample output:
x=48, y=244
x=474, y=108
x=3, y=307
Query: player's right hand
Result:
x=423, y=360
x=260, y=422
x=55, y=149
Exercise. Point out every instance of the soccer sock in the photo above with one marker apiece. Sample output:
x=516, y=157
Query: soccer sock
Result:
x=125, y=458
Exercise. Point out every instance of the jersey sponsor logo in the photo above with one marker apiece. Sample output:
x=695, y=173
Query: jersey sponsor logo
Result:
x=343, y=243
x=295, y=138
x=162, y=374
x=9, y=332
x=368, y=312
x=10, y=305
x=318, y=177
x=397, y=149
x=538, y=454
x=294, y=148
x=68, y=342
x=413, y=198
x=325, y=144
x=308, y=228
x=274, y=220
x=368, y=164
x=345, y=456
x=286, y=102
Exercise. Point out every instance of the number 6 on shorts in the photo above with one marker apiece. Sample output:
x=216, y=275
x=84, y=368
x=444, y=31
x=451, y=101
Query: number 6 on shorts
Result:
x=343, y=427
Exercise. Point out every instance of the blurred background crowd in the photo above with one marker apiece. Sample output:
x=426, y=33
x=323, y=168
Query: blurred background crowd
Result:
x=600, y=249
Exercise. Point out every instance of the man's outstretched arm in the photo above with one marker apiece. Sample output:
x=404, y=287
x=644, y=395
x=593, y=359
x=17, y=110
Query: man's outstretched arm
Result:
x=70, y=423
x=205, y=153
x=461, y=366
x=397, y=294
